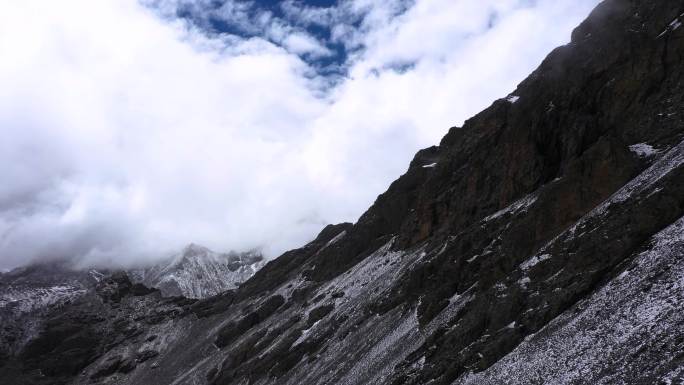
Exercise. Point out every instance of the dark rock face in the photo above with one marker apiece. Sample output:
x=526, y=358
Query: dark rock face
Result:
x=111, y=327
x=31, y=293
x=542, y=242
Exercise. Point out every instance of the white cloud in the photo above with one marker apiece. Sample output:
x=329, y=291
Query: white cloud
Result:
x=301, y=43
x=126, y=136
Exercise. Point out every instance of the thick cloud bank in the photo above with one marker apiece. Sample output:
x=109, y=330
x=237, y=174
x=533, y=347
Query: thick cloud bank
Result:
x=128, y=132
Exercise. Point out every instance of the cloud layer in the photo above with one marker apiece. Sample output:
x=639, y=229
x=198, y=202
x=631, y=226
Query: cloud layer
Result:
x=129, y=131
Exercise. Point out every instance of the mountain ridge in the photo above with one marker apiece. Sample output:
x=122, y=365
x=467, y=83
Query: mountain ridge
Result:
x=197, y=272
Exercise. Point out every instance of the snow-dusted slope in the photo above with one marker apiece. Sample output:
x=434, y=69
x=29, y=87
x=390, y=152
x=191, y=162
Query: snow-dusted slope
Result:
x=32, y=288
x=28, y=294
x=197, y=272
x=632, y=323
x=27, y=299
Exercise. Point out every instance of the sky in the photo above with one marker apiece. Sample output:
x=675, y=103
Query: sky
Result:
x=131, y=128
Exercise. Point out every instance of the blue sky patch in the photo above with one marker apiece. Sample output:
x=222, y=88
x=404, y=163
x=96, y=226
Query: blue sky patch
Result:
x=312, y=29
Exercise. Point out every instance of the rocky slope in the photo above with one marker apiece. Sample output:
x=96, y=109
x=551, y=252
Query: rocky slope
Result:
x=29, y=294
x=544, y=243
x=73, y=334
x=41, y=301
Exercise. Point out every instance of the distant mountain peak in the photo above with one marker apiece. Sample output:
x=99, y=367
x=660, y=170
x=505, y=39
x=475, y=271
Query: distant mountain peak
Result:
x=198, y=272
x=194, y=249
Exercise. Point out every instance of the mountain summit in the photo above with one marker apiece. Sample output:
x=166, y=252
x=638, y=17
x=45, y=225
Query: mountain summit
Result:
x=197, y=272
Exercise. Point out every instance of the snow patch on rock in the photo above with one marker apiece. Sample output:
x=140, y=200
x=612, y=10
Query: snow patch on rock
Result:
x=533, y=261
x=643, y=150
x=514, y=208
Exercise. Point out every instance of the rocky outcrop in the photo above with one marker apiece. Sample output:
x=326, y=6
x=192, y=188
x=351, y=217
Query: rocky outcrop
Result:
x=30, y=293
x=115, y=327
x=541, y=242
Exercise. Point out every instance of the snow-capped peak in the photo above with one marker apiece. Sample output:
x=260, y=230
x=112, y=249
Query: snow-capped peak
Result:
x=199, y=272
